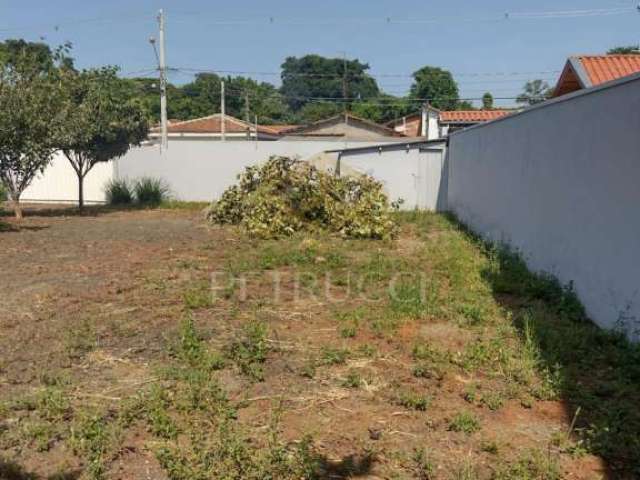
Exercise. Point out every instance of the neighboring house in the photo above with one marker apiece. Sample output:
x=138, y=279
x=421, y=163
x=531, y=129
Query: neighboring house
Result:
x=419, y=124
x=210, y=128
x=343, y=127
x=450, y=121
x=584, y=71
x=433, y=124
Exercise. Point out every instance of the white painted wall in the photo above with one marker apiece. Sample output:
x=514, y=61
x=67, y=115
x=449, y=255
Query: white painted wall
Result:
x=561, y=183
x=59, y=183
x=200, y=170
x=414, y=175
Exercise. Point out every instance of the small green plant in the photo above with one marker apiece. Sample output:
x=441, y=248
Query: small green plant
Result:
x=250, y=352
x=151, y=191
x=80, y=339
x=465, y=422
x=90, y=437
x=423, y=467
x=413, y=400
x=352, y=380
x=198, y=297
x=308, y=370
x=532, y=465
x=119, y=192
x=333, y=356
x=348, y=331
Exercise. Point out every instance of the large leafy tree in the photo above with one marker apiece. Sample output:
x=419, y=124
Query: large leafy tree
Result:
x=100, y=122
x=29, y=114
x=327, y=78
x=436, y=86
x=535, y=91
x=384, y=108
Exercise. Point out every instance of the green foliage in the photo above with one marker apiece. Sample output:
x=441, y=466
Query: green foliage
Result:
x=535, y=91
x=465, y=422
x=250, y=351
x=151, y=191
x=3, y=193
x=436, y=85
x=119, y=192
x=100, y=120
x=532, y=465
x=284, y=196
x=383, y=108
x=625, y=50
x=333, y=356
x=413, y=400
x=487, y=101
x=30, y=113
x=321, y=77
x=319, y=110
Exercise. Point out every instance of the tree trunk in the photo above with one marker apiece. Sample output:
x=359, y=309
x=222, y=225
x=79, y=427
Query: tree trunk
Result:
x=17, y=208
x=80, y=192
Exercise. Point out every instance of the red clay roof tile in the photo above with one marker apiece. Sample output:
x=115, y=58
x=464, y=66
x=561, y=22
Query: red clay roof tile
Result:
x=470, y=116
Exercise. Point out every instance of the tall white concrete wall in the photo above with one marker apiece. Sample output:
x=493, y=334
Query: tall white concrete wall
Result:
x=198, y=170
x=561, y=183
x=416, y=176
x=59, y=183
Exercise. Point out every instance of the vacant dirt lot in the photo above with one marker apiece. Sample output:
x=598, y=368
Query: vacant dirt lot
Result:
x=148, y=344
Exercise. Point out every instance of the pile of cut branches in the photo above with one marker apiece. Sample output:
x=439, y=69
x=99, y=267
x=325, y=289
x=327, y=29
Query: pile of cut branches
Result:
x=286, y=195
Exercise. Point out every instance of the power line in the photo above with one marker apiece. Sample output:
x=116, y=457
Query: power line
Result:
x=389, y=20
x=365, y=75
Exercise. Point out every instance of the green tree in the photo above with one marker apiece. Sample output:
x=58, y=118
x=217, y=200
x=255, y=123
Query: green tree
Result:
x=384, y=108
x=314, y=111
x=322, y=77
x=625, y=50
x=436, y=86
x=29, y=116
x=487, y=101
x=535, y=91
x=100, y=120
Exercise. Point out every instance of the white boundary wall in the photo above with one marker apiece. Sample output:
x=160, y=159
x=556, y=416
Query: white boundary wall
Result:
x=59, y=183
x=560, y=182
x=416, y=175
x=199, y=170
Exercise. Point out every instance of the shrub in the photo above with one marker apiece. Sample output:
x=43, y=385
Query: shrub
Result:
x=119, y=192
x=151, y=191
x=3, y=193
x=285, y=195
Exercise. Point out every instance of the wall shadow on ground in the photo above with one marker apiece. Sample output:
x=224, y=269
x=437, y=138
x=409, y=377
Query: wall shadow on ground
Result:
x=12, y=471
x=598, y=371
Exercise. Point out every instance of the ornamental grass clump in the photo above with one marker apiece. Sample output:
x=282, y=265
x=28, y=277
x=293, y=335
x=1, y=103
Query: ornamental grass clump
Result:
x=285, y=196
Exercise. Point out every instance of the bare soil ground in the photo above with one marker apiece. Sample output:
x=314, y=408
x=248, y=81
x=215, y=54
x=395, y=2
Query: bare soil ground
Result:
x=127, y=351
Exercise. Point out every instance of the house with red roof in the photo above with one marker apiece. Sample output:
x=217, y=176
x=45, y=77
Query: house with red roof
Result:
x=433, y=124
x=584, y=71
x=210, y=128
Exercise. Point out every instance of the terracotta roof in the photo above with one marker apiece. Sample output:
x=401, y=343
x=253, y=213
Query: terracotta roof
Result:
x=471, y=116
x=280, y=128
x=213, y=125
x=343, y=118
x=604, y=68
x=584, y=71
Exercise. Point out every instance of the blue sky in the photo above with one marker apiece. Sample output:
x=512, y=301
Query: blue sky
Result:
x=470, y=38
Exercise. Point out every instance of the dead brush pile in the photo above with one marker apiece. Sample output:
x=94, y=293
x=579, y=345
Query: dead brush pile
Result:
x=286, y=195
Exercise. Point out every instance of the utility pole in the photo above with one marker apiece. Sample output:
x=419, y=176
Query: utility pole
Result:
x=223, y=127
x=344, y=80
x=163, y=82
x=247, y=118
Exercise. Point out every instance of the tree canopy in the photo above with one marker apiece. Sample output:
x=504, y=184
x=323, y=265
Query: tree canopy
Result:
x=322, y=77
x=436, y=86
x=100, y=120
x=487, y=101
x=29, y=114
x=625, y=50
x=535, y=91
